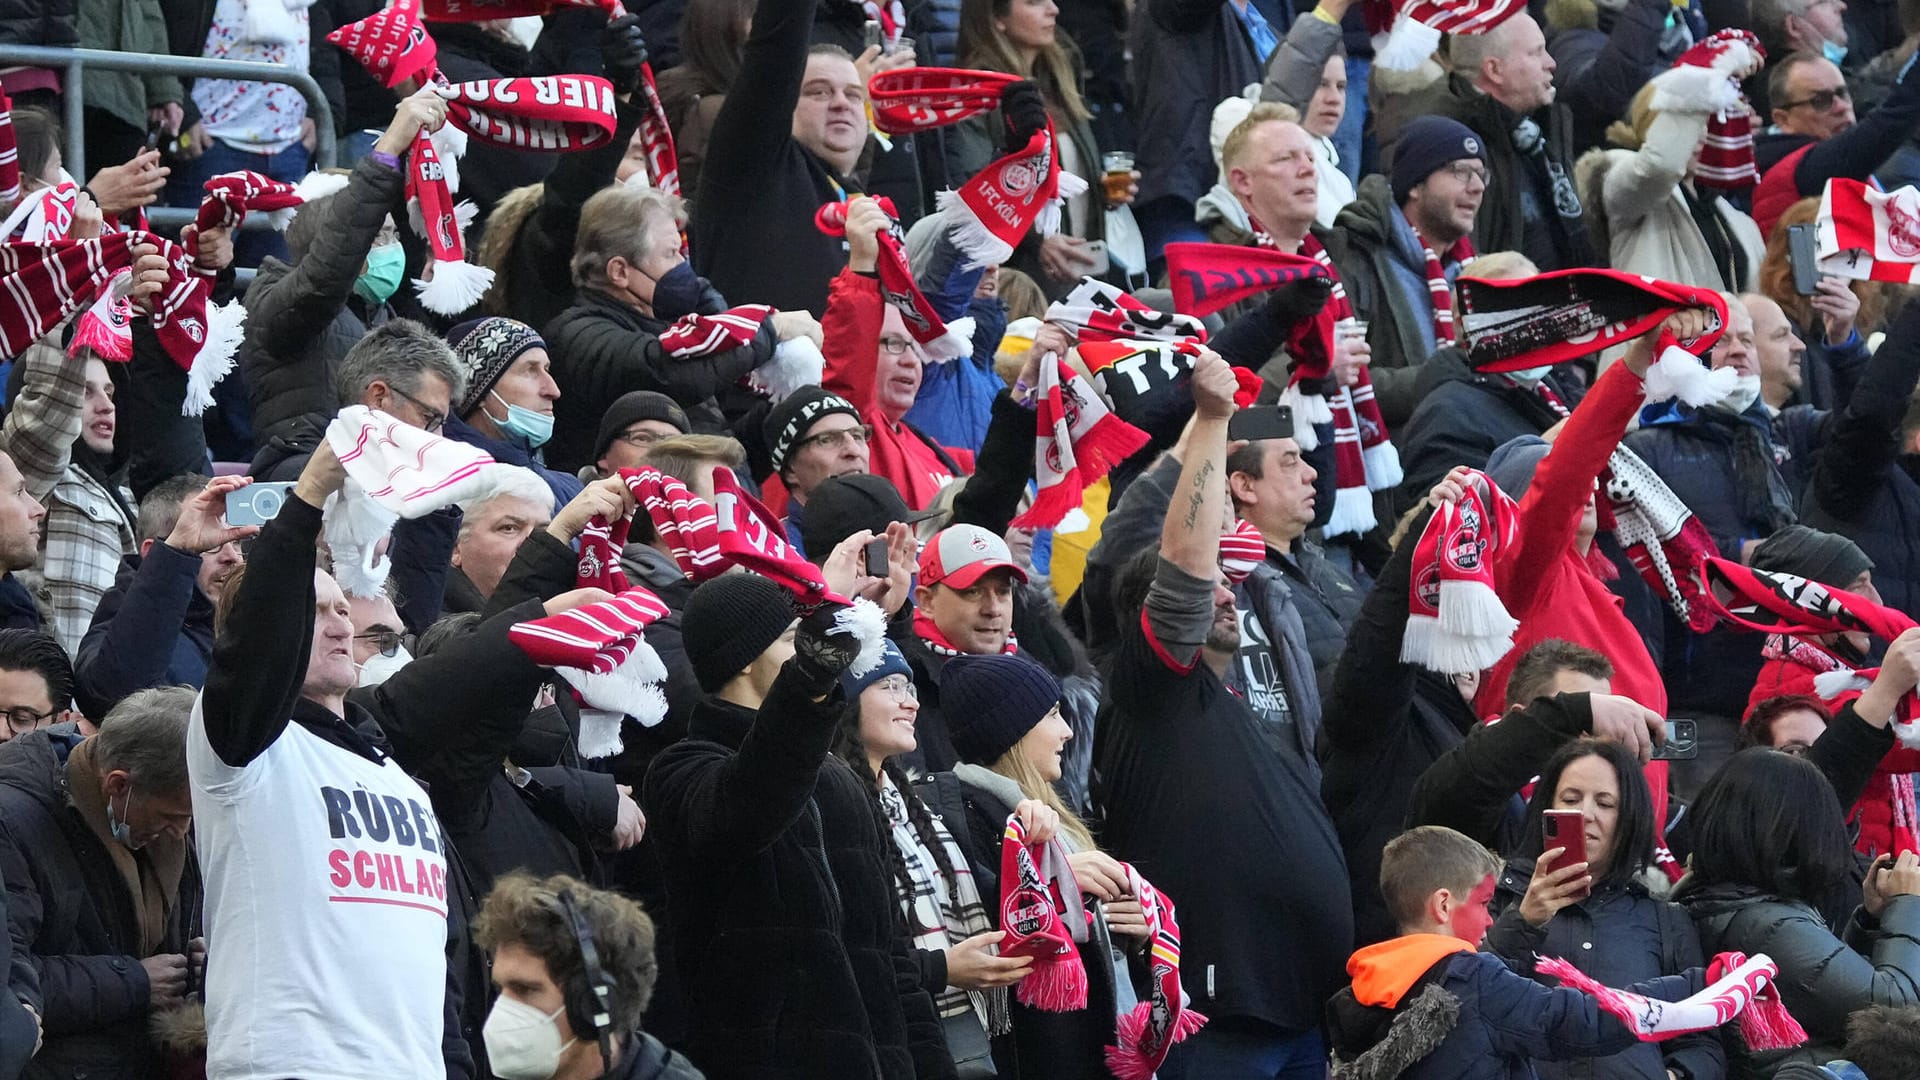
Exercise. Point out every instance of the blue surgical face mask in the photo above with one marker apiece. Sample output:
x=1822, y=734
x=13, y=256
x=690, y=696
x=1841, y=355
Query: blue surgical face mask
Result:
x=535, y=428
x=678, y=292
x=118, y=826
x=386, y=266
x=1833, y=52
x=1532, y=374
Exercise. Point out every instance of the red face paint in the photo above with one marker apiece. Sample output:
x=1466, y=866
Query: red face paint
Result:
x=1473, y=915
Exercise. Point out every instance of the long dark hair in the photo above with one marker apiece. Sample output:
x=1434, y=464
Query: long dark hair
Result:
x=847, y=747
x=712, y=36
x=1633, y=830
x=1771, y=821
x=983, y=45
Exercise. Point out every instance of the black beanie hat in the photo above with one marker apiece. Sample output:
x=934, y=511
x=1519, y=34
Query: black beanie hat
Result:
x=991, y=702
x=791, y=416
x=1828, y=558
x=1427, y=145
x=632, y=407
x=729, y=622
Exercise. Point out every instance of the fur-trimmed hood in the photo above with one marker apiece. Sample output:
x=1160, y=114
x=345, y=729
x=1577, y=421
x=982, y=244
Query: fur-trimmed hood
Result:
x=1400, y=1038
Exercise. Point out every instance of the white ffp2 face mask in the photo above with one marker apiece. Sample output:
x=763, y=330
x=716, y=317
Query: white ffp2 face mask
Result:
x=1745, y=392
x=523, y=1043
x=380, y=667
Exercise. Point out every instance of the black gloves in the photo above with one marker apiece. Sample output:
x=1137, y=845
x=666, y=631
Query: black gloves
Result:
x=819, y=653
x=1296, y=301
x=1024, y=112
x=622, y=51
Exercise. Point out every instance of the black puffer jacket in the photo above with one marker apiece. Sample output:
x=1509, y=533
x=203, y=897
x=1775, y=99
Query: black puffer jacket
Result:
x=1823, y=978
x=40, y=22
x=68, y=903
x=1619, y=936
x=487, y=173
x=302, y=318
x=602, y=348
x=781, y=901
x=1462, y=418
x=1187, y=56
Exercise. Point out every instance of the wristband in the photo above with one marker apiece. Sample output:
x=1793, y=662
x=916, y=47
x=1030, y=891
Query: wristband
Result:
x=391, y=161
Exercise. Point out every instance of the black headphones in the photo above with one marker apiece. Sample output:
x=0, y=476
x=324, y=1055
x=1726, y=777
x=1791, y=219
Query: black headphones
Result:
x=589, y=1008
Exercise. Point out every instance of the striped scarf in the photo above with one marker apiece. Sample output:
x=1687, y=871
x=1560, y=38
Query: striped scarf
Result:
x=942, y=912
x=1438, y=290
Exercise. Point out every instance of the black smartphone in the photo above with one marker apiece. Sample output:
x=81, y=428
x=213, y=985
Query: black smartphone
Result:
x=1800, y=253
x=1683, y=742
x=1261, y=422
x=877, y=558
x=154, y=133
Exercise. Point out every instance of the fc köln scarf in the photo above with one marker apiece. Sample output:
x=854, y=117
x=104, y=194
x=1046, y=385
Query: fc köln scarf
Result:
x=990, y=214
x=1146, y=1033
x=1079, y=441
x=1098, y=311
x=600, y=651
x=684, y=520
x=1866, y=233
x=483, y=10
x=1042, y=914
x=1457, y=622
x=1742, y=986
x=750, y=537
x=1565, y=314
x=558, y=113
x=1418, y=24
x=939, y=341
x=1796, y=607
x=47, y=283
x=452, y=284
x=391, y=44
x=1726, y=160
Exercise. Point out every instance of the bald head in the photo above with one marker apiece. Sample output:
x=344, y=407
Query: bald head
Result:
x=1269, y=167
x=1509, y=63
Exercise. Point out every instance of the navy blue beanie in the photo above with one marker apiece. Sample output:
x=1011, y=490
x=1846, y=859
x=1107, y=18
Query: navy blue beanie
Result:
x=991, y=702
x=1427, y=145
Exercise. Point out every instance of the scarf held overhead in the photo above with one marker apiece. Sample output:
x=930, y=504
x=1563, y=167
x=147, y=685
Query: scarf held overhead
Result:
x=938, y=341
x=1457, y=622
x=1562, y=315
x=1079, y=440
x=1726, y=158
x=1863, y=232
x=1418, y=24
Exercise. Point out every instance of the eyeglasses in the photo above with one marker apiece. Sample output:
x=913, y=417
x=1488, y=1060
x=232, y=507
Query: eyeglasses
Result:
x=834, y=440
x=900, y=687
x=639, y=438
x=895, y=346
x=385, y=642
x=1822, y=100
x=21, y=719
x=1467, y=172
x=435, y=419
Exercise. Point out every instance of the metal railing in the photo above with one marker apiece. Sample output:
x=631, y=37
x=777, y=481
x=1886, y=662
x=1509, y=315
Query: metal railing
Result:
x=72, y=63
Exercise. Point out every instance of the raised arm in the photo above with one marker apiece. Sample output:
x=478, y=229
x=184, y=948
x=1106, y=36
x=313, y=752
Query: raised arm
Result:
x=45, y=419
x=755, y=124
x=259, y=663
x=1865, y=146
x=1469, y=787
x=1190, y=536
x=1850, y=472
x=1606, y=86
x=855, y=311
x=1293, y=71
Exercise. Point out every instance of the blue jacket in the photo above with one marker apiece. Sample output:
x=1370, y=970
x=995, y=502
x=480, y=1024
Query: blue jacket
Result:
x=956, y=397
x=564, y=485
x=153, y=628
x=1467, y=1016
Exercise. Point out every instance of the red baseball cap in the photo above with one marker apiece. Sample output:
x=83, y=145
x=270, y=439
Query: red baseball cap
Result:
x=960, y=555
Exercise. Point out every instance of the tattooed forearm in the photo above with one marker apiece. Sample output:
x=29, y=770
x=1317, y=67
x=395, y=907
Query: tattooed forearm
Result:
x=1198, y=496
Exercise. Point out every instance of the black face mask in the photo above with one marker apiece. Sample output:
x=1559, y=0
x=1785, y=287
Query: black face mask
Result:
x=678, y=292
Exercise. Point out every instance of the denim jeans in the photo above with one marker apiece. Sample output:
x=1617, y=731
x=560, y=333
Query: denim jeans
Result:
x=1347, y=138
x=353, y=146
x=1247, y=1052
x=189, y=179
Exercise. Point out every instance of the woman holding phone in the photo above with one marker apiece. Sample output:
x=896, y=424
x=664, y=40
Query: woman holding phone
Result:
x=1580, y=897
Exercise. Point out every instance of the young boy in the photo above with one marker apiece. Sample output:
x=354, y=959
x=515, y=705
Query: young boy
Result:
x=1426, y=1004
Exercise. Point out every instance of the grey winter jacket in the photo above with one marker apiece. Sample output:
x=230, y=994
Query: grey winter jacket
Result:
x=1823, y=978
x=302, y=318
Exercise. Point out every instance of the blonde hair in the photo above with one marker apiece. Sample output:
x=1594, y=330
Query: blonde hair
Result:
x=1632, y=132
x=1267, y=112
x=1014, y=766
x=1493, y=266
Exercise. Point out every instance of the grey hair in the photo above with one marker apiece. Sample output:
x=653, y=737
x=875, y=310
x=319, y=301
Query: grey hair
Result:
x=146, y=736
x=612, y=224
x=1770, y=18
x=160, y=510
x=400, y=353
x=1468, y=53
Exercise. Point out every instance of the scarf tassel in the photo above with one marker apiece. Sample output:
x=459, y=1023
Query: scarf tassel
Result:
x=1832, y=684
x=599, y=728
x=1680, y=374
x=1106, y=444
x=955, y=343
x=226, y=328
x=1352, y=512
x=867, y=624
x=1407, y=45
x=1765, y=1024
x=1060, y=986
x=796, y=362
x=1128, y=1058
x=1052, y=503
x=315, y=185
x=974, y=239
x=454, y=287
x=1435, y=649
x=1383, y=466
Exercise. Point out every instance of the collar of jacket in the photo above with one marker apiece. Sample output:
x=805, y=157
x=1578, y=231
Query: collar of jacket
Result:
x=610, y=306
x=1678, y=413
x=505, y=451
x=718, y=720
x=356, y=733
x=151, y=875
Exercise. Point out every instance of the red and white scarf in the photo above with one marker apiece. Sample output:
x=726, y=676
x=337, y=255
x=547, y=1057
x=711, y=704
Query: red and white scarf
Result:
x=1775, y=603
x=9, y=155
x=1365, y=459
x=1042, y=914
x=1242, y=550
x=1866, y=233
x=483, y=10
x=1457, y=622
x=1098, y=311
x=796, y=362
x=938, y=340
x=751, y=537
x=1741, y=985
x=391, y=44
x=1438, y=291
x=49, y=282
x=1079, y=441
x=684, y=520
x=600, y=651
x=989, y=214
x=1149, y=1030
x=1662, y=538
x=1563, y=315
x=1726, y=160
x=929, y=633
x=1418, y=24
